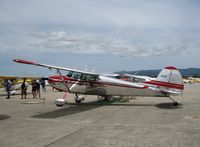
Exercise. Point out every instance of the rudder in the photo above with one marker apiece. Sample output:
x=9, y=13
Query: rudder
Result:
x=172, y=76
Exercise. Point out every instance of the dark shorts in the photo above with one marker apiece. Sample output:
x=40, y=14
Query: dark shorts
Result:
x=23, y=91
x=34, y=89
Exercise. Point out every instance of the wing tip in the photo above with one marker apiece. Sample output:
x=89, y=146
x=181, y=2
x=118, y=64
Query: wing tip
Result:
x=24, y=61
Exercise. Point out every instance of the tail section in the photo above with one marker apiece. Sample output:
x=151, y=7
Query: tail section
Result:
x=170, y=75
x=171, y=78
x=169, y=81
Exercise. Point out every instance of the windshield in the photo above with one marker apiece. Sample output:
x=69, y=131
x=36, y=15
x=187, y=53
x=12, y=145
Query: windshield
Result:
x=75, y=75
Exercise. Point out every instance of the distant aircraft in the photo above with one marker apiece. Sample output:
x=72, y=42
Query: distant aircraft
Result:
x=169, y=82
x=16, y=82
x=191, y=80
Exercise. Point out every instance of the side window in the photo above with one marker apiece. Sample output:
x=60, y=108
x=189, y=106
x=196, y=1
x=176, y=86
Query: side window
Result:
x=92, y=77
x=77, y=75
x=69, y=74
x=85, y=77
x=89, y=77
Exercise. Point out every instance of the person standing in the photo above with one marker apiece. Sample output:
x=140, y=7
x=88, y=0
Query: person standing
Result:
x=43, y=84
x=34, y=88
x=8, y=85
x=24, y=86
x=38, y=89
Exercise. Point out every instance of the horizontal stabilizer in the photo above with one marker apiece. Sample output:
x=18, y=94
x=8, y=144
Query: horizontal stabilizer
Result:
x=173, y=92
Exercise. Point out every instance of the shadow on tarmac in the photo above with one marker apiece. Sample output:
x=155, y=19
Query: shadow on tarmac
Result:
x=79, y=108
x=67, y=111
x=168, y=106
x=12, y=95
x=3, y=117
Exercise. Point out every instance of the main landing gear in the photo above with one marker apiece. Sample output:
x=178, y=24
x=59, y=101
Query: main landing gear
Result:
x=78, y=98
x=175, y=103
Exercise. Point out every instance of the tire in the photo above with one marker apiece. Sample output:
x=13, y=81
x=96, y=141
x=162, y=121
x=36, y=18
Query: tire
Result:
x=175, y=103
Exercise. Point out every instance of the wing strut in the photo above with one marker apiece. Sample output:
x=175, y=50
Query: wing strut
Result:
x=74, y=85
x=69, y=89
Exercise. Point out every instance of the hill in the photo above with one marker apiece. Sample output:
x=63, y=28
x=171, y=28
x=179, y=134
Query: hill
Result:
x=193, y=72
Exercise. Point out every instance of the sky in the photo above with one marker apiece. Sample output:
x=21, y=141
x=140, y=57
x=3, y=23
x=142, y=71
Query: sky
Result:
x=104, y=35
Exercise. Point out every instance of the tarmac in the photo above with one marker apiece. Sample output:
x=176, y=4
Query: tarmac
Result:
x=140, y=122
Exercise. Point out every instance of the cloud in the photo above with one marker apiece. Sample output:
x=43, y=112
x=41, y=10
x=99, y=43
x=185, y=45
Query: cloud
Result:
x=123, y=28
x=111, y=13
x=54, y=42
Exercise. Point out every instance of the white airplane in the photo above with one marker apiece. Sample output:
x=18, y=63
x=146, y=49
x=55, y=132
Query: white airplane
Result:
x=168, y=83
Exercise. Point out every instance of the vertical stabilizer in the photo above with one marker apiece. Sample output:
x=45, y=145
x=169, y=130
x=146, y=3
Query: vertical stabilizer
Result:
x=172, y=77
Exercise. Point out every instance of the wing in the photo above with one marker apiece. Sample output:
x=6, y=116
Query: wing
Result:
x=139, y=78
x=51, y=67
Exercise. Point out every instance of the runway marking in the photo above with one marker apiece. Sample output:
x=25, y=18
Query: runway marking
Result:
x=31, y=102
x=192, y=117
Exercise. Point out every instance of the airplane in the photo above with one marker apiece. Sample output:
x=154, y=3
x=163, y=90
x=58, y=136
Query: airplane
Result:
x=168, y=83
x=191, y=80
x=16, y=82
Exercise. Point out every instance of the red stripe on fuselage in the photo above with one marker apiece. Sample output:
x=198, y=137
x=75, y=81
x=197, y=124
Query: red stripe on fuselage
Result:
x=165, y=84
x=72, y=81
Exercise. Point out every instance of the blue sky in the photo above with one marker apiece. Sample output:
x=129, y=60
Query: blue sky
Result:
x=107, y=35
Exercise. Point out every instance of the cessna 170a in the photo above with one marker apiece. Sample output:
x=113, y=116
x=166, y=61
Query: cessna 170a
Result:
x=169, y=82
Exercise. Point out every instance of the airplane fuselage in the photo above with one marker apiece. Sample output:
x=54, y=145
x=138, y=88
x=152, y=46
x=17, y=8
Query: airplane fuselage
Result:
x=103, y=86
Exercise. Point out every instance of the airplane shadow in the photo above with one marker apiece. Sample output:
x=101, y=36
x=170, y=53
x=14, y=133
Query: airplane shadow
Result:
x=3, y=117
x=64, y=111
x=83, y=107
x=168, y=106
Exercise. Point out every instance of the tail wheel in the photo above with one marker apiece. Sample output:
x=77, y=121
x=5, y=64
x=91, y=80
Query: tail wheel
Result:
x=174, y=102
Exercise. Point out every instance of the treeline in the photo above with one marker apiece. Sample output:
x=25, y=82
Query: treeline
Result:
x=189, y=72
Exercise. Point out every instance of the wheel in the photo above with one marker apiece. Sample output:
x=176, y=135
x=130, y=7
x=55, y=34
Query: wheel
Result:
x=59, y=105
x=106, y=99
x=175, y=103
x=77, y=101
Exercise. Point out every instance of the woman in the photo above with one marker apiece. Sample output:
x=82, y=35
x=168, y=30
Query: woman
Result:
x=24, y=86
x=34, y=88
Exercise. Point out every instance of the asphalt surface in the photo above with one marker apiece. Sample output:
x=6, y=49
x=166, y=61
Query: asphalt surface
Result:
x=138, y=122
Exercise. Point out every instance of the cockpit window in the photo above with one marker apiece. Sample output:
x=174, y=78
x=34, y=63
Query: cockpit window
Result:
x=85, y=77
x=88, y=77
x=82, y=76
x=77, y=75
x=69, y=74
